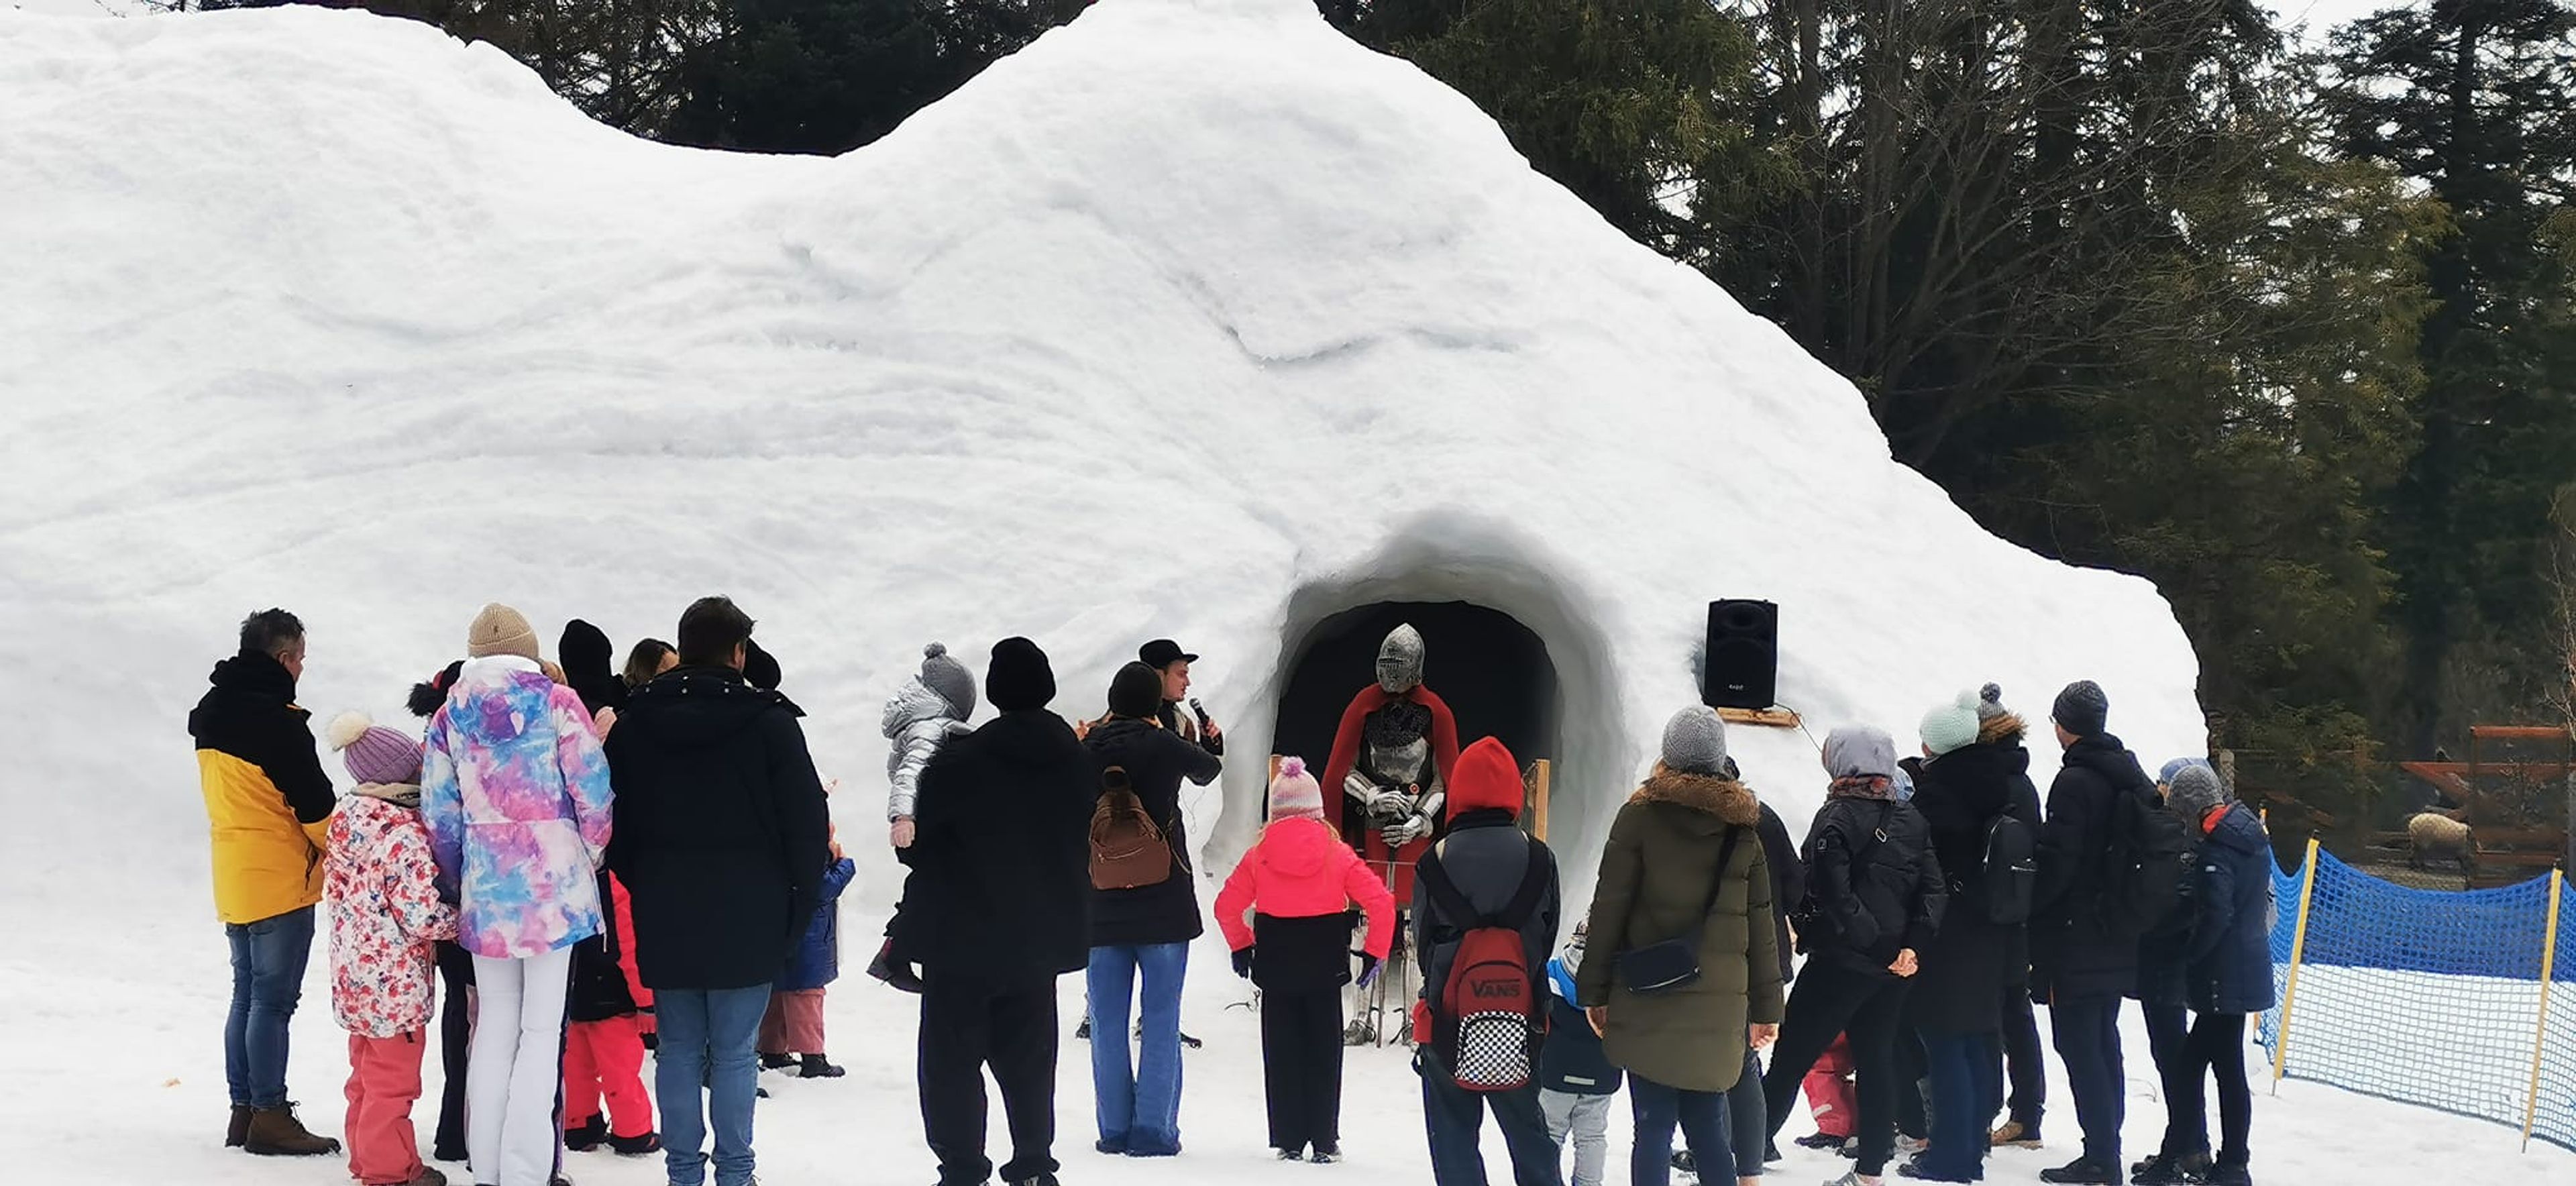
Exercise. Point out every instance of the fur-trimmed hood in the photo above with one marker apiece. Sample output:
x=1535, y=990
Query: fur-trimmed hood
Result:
x=1731, y=802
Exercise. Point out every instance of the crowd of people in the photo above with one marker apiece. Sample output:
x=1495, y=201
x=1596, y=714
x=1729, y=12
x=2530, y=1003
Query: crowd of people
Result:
x=600, y=865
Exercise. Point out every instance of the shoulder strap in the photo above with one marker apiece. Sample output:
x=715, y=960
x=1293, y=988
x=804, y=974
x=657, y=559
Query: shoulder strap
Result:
x=1444, y=893
x=1717, y=883
x=1524, y=902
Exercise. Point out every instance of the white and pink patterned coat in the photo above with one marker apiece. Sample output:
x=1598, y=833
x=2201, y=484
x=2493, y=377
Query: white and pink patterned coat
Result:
x=380, y=887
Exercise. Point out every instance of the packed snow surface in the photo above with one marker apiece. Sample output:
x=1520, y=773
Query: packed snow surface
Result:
x=1194, y=319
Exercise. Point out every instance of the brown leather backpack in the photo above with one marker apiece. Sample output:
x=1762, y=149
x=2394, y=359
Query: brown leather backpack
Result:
x=1128, y=850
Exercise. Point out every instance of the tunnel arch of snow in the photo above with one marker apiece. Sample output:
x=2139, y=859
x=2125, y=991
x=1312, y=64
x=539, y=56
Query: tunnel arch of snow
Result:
x=1462, y=558
x=1194, y=319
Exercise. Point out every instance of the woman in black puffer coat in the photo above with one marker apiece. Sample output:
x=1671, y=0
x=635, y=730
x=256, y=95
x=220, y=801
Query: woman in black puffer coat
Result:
x=1963, y=785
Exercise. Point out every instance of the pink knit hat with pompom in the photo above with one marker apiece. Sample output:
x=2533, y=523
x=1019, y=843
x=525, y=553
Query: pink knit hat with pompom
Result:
x=1294, y=793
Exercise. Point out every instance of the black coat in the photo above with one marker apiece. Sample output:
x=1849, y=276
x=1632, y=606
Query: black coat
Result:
x=2074, y=950
x=1000, y=890
x=1156, y=760
x=1788, y=881
x=1870, y=897
x=2230, y=958
x=1961, y=985
x=599, y=990
x=721, y=831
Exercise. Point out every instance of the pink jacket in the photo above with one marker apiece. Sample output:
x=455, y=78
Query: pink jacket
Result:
x=1301, y=869
x=515, y=792
x=378, y=884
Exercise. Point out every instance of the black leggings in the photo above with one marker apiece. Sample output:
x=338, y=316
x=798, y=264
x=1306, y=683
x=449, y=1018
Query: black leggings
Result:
x=2215, y=1050
x=1827, y=1001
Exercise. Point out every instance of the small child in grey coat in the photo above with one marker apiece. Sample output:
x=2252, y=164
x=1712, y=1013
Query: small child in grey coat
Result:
x=929, y=709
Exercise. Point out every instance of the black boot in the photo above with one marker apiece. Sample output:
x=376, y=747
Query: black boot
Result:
x=777, y=1062
x=587, y=1135
x=818, y=1067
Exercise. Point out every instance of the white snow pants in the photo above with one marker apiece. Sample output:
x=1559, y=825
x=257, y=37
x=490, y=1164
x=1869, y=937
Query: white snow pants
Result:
x=515, y=1067
x=1585, y=1118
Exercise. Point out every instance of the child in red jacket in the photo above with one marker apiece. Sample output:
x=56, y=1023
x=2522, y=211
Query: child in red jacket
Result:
x=603, y=1061
x=1298, y=884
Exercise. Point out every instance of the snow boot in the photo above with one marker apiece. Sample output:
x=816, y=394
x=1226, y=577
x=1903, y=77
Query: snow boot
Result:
x=897, y=975
x=1283, y=1154
x=587, y=1135
x=2015, y=1135
x=1191, y=1042
x=638, y=1145
x=1819, y=1140
x=818, y=1067
x=427, y=1177
x=2082, y=1172
x=1325, y=1154
x=2229, y=1175
x=275, y=1132
x=2164, y=1170
x=237, y=1130
x=777, y=1062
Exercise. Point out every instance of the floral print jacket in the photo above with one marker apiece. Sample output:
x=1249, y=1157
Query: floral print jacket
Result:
x=515, y=793
x=378, y=885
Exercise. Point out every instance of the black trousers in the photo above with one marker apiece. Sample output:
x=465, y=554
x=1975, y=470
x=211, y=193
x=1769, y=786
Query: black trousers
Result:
x=2087, y=1029
x=2024, y=1061
x=1913, y=1069
x=1826, y=1001
x=2168, y=1033
x=965, y=1027
x=455, y=1036
x=2214, y=1050
x=1301, y=1068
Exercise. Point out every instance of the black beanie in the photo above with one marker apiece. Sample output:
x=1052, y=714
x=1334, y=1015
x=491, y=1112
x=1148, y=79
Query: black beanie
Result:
x=1136, y=691
x=2083, y=709
x=1019, y=677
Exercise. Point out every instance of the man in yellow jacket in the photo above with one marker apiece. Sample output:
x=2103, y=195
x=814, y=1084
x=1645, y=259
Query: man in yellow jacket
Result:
x=269, y=805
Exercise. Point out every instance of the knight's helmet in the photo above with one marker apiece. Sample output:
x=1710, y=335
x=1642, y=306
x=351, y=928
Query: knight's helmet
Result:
x=1399, y=660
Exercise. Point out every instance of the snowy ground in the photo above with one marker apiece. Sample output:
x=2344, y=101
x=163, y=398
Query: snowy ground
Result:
x=115, y=1067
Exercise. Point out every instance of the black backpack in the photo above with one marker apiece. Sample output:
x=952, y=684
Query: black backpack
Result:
x=2011, y=873
x=2151, y=861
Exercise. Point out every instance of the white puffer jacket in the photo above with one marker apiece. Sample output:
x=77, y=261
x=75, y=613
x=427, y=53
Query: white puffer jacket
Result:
x=917, y=721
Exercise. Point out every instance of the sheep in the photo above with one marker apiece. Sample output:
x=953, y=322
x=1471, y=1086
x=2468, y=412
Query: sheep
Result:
x=2434, y=836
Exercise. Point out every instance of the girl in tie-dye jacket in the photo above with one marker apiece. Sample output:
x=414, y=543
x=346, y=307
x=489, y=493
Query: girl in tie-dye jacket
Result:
x=515, y=793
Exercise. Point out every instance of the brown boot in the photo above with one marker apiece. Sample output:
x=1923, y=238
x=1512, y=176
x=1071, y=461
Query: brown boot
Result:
x=238, y=1129
x=427, y=1177
x=275, y=1132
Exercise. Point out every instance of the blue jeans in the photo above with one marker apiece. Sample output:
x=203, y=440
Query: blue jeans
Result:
x=268, y=977
x=1964, y=1076
x=706, y=1052
x=1703, y=1118
x=1140, y=1111
x=1453, y=1120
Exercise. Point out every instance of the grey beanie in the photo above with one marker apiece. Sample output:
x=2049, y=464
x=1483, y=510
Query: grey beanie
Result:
x=1990, y=702
x=2084, y=709
x=1695, y=742
x=1860, y=751
x=2196, y=788
x=949, y=678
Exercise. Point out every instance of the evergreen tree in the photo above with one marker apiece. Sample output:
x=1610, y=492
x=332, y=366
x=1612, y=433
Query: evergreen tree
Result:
x=2476, y=100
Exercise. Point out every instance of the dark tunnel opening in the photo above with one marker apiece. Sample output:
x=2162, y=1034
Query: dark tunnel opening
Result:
x=1493, y=671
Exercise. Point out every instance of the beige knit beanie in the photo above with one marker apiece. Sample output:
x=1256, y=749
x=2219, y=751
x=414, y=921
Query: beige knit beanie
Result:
x=500, y=630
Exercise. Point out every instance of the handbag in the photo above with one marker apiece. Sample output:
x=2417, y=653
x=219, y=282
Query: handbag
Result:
x=1673, y=963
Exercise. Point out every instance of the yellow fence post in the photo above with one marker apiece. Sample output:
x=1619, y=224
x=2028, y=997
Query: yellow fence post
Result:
x=2540, y=1033
x=2298, y=949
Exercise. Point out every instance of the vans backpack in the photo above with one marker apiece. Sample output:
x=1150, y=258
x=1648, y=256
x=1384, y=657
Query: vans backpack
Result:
x=2011, y=873
x=1128, y=850
x=1489, y=1016
x=2151, y=860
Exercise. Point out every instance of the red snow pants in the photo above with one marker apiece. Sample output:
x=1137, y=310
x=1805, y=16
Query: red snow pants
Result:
x=604, y=1060
x=384, y=1082
x=1830, y=1096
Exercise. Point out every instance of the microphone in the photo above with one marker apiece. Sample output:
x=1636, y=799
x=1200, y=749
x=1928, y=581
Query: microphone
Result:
x=1200, y=711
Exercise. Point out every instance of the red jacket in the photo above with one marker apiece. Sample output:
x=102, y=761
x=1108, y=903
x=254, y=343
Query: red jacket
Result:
x=1301, y=869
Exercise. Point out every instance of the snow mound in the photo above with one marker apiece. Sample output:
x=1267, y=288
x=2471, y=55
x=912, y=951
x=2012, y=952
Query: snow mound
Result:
x=1194, y=319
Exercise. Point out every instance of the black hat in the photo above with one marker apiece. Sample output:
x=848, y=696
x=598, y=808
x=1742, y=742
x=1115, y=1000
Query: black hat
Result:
x=2082, y=708
x=1136, y=691
x=1162, y=653
x=1019, y=677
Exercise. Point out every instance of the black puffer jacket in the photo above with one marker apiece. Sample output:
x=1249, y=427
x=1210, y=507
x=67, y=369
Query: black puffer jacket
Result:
x=1156, y=761
x=1788, y=882
x=1874, y=885
x=2074, y=952
x=721, y=834
x=1000, y=891
x=1965, y=970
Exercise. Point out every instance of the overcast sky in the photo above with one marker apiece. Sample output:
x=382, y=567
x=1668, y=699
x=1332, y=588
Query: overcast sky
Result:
x=2322, y=15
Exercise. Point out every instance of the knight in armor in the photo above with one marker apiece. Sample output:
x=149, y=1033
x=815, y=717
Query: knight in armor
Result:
x=1391, y=760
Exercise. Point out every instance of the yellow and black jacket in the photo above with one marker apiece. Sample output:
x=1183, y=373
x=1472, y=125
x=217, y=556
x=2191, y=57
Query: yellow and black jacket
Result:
x=267, y=799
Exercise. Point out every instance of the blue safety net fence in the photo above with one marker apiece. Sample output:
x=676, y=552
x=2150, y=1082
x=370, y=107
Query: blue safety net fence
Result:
x=2430, y=997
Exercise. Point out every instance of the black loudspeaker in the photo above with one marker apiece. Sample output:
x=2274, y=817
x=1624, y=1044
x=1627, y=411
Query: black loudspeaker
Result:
x=1743, y=669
